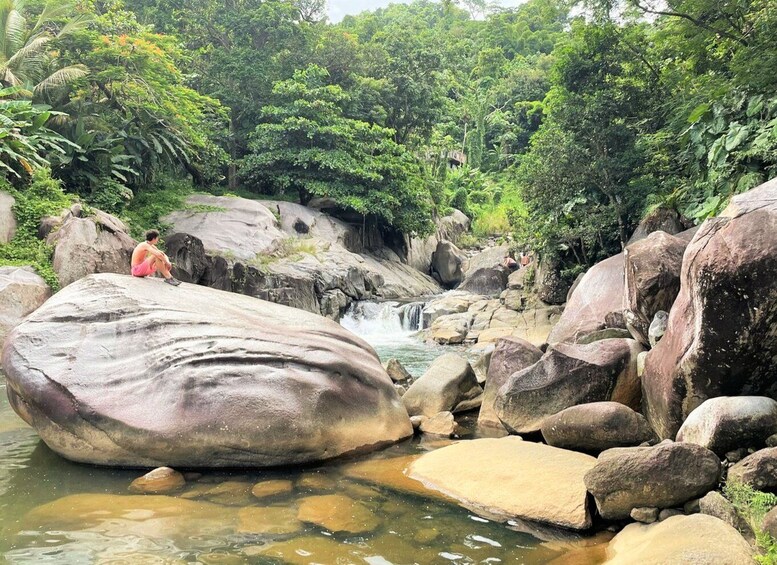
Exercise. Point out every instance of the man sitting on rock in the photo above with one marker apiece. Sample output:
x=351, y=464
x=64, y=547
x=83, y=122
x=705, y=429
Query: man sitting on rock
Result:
x=147, y=259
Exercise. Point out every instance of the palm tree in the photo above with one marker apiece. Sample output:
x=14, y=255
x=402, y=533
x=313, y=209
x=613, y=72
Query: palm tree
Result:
x=25, y=57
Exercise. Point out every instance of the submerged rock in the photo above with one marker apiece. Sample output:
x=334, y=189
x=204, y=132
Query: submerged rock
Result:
x=697, y=539
x=509, y=478
x=721, y=338
x=337, y=513
x=158, y=481
x=117, y=370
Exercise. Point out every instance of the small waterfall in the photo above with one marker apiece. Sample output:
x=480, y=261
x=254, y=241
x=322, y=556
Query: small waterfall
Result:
x=410, y=316
x=374, y=320
x=392, y=329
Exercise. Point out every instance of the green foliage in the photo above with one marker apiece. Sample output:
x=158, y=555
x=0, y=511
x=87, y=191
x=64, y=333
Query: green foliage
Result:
x=753, y=505
x=147, y=209
x=42, y=197
x=25, y=141
x=26, y=58
x=306, y=145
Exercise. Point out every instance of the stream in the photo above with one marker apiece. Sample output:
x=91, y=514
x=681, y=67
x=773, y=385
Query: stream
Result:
x=52, y=510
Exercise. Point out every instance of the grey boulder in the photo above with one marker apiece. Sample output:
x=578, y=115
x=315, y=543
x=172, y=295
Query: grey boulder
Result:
x=567, y=375
x=510, y=355
x=596, y=427
x=7, y=218
x=664, y=476
x=447, y=262
x=121, y=371
x=598, y=295
x=99, y=243
x=758, y=470
x=448, y=385
x=720, y=338
x=21, y=292
x=727, y=423
x=652, y=269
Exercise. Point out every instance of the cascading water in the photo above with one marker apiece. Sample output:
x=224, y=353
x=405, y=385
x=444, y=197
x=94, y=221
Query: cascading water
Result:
x=393, y=330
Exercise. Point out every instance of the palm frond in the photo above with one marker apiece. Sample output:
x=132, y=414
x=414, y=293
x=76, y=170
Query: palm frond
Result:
x=61, y=77
x=13, y=30
x=53, y=9
x=32, y=52
x=75, y=24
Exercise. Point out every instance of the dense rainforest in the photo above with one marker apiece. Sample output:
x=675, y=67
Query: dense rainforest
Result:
x=561, y=122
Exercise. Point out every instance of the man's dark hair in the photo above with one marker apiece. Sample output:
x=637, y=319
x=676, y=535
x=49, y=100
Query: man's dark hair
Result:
x=151, y=234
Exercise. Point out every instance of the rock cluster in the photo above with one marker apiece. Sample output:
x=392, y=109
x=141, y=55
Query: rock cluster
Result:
x=286, y=253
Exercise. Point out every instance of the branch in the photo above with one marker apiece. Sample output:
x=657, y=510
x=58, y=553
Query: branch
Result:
x=697, y=22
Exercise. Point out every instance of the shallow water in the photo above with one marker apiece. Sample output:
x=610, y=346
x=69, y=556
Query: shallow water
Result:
x=52, y=510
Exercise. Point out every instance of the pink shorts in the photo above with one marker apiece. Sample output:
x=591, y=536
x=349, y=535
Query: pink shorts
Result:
x=147, y=267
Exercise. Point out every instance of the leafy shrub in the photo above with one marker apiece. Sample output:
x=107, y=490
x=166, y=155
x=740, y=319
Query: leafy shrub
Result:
x=43, y=197
x=155, y=202
x=753, y=505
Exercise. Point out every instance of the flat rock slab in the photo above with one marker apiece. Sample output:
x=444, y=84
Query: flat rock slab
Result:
x=117, y=370
x=697, y=539
x=510, y=478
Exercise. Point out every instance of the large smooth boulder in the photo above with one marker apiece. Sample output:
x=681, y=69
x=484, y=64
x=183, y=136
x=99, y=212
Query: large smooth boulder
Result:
x=117, y=370
x=652, y=267
x=447, y=262
x=510, y=355
x=726, y=423
x=7, y=217
x=664, y=476
x=245, y=227
x=758, y=470
x=99, y=243
x=568, y=375
x=596, y=427
x=22, y=291
x=697, y=539
x=721, y=338
x=448, y=385
x=508, y=478
x=599, y=294
x=484, y=272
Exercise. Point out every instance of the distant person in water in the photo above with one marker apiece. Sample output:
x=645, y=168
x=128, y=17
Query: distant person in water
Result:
x=147, y=259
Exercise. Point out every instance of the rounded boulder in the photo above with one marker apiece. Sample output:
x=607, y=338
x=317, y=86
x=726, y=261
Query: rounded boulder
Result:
x=595, y=427
x=122, y=371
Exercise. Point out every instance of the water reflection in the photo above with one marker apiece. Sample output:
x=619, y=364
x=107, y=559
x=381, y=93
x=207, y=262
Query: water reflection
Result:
x=52, y=510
